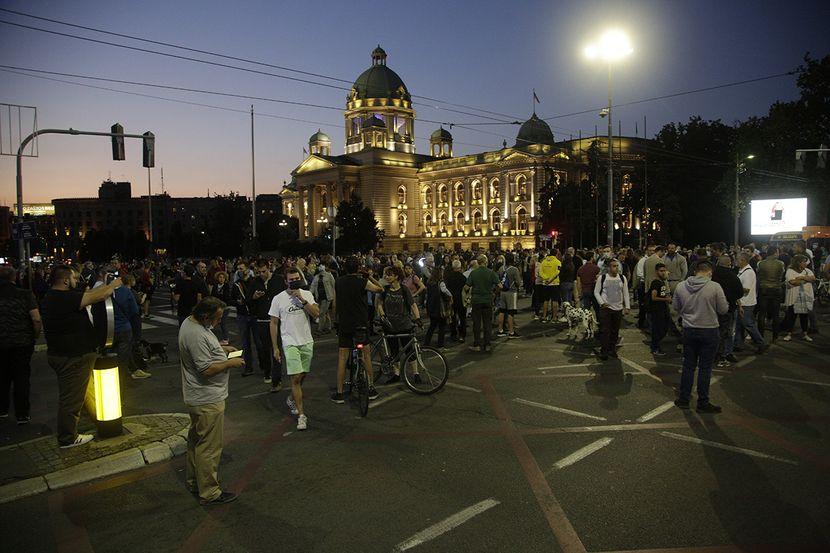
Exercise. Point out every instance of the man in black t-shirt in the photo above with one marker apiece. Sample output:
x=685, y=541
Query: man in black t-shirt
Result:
x=352, y=306
x=659, y=298
x=20, y=325
x=71, y=344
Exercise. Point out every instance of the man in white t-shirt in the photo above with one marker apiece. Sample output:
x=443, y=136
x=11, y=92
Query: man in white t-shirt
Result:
x=746, y=313
x=290, y=310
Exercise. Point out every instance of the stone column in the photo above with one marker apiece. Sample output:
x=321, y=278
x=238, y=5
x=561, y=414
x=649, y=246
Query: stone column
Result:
x=301, y=212
x=485, y=193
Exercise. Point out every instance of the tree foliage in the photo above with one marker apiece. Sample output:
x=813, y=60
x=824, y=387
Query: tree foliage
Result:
x=358, y=227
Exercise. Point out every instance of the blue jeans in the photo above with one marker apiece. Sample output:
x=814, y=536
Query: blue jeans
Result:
x=699, y=348
x=245, y=326
x=123, y=342
x=747, y=324
x=567, y=291
x=727, y=333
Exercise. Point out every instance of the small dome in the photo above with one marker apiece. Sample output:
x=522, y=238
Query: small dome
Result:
x=373, y=122
x=441, y=135
x=319, y=136
x=378, y=52
x=534, y=131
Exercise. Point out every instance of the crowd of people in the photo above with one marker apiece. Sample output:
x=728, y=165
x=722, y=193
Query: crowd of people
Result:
x=714, y=300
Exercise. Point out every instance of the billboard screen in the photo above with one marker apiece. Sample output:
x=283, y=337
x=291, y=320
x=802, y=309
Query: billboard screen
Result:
x=782, y=215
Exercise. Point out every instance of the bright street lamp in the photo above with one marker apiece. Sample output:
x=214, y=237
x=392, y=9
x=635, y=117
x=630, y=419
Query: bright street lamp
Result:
x=613, y=45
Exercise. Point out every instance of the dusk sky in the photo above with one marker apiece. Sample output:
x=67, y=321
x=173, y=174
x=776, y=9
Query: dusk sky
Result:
x=485, y=54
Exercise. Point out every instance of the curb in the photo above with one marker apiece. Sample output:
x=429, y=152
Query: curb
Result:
x=130, y=459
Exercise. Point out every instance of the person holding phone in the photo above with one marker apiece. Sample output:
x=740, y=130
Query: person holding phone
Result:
x=289, y=312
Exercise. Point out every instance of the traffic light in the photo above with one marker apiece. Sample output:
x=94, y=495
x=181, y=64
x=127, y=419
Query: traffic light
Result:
x=118, y=142
x=149, y=149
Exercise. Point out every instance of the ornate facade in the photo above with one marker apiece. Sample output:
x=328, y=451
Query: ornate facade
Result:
x=485, y=200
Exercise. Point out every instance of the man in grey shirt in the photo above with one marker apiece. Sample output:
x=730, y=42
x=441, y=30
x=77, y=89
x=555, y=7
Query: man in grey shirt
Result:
x=205, y=366
x=699, y=301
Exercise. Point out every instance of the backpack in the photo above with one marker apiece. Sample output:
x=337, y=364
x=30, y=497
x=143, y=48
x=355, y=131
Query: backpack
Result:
x=548, y=269
x=623, y=283
x=505, y=281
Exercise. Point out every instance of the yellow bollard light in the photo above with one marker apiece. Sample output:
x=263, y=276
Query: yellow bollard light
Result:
x=107, y=387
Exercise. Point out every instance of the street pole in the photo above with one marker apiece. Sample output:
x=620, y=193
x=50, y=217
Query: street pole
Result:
x=737, y=187
x=253, y=180
x=610, y=232
x=150, y=207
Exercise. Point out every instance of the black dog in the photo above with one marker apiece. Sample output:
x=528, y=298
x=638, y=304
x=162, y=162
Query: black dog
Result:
x=150, y=349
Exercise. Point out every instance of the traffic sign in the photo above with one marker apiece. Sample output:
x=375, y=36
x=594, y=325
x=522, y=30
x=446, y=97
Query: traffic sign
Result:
x=26, y=230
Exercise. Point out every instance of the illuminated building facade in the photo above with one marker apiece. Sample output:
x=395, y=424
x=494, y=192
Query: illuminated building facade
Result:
x=485, y=200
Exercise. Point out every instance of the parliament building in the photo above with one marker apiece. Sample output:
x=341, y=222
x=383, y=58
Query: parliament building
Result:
x=487, y=200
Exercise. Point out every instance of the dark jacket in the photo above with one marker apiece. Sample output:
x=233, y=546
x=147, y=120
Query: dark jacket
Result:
x=731, y=284
x=240, y=292
x=259, y=307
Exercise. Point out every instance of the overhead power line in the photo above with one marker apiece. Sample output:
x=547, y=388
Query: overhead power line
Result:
x=203, y=105
x=225, y=56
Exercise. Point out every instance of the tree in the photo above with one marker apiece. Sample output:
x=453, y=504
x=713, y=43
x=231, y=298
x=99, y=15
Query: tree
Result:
x=358, y=227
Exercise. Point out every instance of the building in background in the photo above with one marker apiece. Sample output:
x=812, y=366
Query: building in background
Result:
x=487, y=200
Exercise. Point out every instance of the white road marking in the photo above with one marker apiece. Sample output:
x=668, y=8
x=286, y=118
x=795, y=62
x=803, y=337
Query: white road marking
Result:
x=727, y=447
x=661, y=363
x=462, y=387
x=249, y=396
x=580, y=454
x=287, y=433
x=568, y=366
x=656, y=411
x=163, y=320
x=467, y=364
x=446, y=525
x=387, y=398
x=795, y=380
x=638, y=367
x=558, y=409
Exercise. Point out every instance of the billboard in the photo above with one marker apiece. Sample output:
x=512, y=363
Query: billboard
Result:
x=782, y=215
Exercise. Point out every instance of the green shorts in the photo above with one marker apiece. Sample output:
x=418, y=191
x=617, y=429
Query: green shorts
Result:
x=298, y=358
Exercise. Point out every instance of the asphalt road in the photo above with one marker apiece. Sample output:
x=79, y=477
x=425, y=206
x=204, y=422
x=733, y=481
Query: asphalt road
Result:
x=535, y=447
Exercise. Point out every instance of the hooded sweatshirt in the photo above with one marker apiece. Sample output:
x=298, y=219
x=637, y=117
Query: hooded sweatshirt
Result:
x=699, y=301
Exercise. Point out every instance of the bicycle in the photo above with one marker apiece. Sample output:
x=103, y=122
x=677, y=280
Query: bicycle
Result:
x=358, y=377
x=423, y=368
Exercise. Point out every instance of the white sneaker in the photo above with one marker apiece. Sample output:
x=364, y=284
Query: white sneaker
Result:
x=808, y=338
x=138, y=374
x=291, y=405
x=787, y=338
x=302, y=422
x=80, y=440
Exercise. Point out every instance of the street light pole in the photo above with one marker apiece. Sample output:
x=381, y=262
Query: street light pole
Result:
x=610, y=218
x=150, y=207
x=253, y=181
x=737, y=196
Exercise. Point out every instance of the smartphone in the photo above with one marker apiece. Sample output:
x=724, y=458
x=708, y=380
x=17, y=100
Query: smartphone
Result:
x=235, y=354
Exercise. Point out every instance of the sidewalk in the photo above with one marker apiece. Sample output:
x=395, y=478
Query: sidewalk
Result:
x=38, y=465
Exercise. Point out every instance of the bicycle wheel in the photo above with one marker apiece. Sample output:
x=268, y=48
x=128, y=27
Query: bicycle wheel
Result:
x=380, y=362
x=362, y=385
x=425, y=371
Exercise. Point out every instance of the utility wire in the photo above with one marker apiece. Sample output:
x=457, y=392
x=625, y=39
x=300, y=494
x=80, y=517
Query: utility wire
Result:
x=170, y=45
x=199, y=104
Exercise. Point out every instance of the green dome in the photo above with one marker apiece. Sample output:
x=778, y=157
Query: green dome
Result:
x=319, y=136
x=379, y=81
x=441, y=135
x=534, y=131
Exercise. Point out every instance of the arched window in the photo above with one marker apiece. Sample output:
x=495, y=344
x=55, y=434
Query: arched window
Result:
x=442, y=222
x=520, y=186
x=494, y=190
x=459, y=221
x=427, y=196
x=442, y=194
x=402, y=223
x=476, y=220
x=475, y=190
x=495, y=220
x=401, y=195
x=427, y=223
x=459, y=193
x=436, y=150
x=521, y=219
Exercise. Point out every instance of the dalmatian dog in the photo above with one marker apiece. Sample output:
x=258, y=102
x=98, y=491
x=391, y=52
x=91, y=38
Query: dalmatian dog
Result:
x=582, y=323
